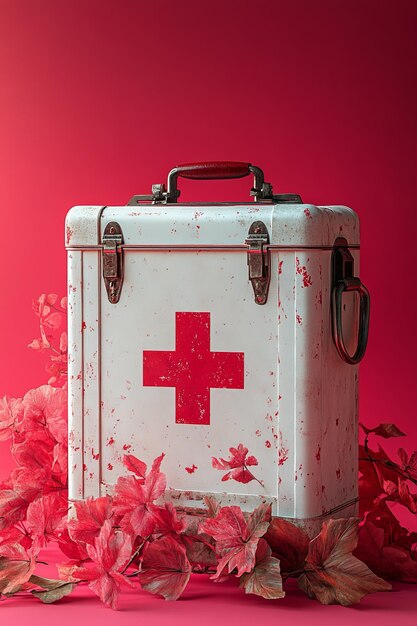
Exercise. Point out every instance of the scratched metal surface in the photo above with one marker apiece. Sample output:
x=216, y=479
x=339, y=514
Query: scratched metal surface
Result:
x=266, y=376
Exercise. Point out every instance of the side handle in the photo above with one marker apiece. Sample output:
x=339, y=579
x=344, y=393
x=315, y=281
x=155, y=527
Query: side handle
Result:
x=344, y=281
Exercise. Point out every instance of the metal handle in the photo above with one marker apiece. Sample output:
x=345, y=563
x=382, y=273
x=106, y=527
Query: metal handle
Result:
x=218, y=170
x=350, y=284
x=213, y=170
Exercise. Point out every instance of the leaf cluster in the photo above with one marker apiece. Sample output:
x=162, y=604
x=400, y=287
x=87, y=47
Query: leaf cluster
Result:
x=136, y=538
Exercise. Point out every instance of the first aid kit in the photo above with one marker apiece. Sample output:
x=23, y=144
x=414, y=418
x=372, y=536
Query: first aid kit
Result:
x=225, y=335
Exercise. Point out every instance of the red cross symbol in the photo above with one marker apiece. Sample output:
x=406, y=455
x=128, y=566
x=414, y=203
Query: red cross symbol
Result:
x=192, y=369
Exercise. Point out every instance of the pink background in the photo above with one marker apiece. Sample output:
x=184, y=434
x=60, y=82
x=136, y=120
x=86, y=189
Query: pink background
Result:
x=99, y=99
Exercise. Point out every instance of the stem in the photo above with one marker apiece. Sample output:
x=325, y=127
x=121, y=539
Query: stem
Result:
x=294, y=574
x=257, y=480
x=132, y=558
x=386, y=463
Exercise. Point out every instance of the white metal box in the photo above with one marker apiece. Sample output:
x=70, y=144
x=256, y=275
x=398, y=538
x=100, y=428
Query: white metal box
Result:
x=175, y=347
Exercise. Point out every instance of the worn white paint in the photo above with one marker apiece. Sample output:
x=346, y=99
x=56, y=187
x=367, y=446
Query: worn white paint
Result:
x=297, y=412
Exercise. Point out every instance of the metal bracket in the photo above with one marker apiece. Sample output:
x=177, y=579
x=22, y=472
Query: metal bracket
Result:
x=259, y=261
x=112, y=257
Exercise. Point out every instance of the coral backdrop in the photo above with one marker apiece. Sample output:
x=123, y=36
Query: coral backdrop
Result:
x=100, y=98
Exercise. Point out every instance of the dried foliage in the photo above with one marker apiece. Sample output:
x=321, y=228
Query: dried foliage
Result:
x=132, y=539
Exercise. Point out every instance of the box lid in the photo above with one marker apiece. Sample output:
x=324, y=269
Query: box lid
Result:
x=218, y=225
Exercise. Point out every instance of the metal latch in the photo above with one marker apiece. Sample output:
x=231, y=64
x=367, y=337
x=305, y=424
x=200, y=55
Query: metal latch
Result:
x=259, y=261
x=113, y=265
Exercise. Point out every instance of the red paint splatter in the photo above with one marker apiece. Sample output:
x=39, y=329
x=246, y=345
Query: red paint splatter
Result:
x=337, y=421
x=282, y=455
x=267, y=444
x=95, y=456
x=258, y=433
x=84, y=326
x=110, y=442
x=69, y=234
x=338, y=474
x=191, y=469
x=318, y=454
x=109, y=466
x=308, y=213
x=280, y=267
x=126, y=446
x=84, y=467
x=299, y=319
x=302, y=270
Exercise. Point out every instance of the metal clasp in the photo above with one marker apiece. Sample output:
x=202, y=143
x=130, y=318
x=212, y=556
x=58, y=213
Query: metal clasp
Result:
x=112, y=257
x=259, y=261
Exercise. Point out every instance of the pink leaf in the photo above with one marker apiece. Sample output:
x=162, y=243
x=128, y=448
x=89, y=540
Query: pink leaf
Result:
x=91, y=516
x=237, y=539
x=110, y=554
x=134, y=499
x=165, y=568
x=238, y=464
x=10, y=414
x=134, y=465
x=45, y=517
x=54, y=320
x=332, y=574
x=289, y=544
x=16, y=566
x=381, y=552
x=48, y=406
x=167, y=521
x=385, y=430
x=265, y=579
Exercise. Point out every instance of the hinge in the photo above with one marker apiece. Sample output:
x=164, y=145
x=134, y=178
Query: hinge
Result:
x=113, y=266
x=259, y=261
